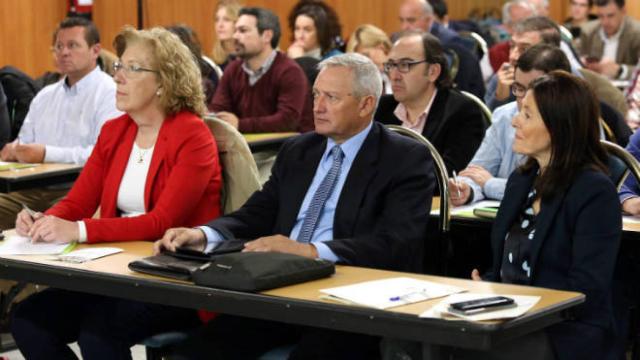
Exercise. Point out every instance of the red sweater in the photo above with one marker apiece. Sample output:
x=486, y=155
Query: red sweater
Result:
x=279, y=101
x=182, y=186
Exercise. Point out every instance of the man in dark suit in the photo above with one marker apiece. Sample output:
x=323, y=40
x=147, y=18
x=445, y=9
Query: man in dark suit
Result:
x=423, y=100
x=375, y=213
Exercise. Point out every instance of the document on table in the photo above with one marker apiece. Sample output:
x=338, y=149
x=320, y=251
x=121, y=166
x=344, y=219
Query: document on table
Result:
x=388, y=293
x=21, y=245
x=441, y=310
x=14, y=165
x=629, y=219
x=467, y=210
x=84, y=255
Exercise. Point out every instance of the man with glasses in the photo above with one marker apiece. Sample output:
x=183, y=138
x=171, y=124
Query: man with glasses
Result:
x=64, y=118
x=486, y=176
x=423, y=100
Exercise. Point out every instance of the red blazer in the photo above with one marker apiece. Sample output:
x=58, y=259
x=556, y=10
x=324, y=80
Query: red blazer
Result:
x=182, y=187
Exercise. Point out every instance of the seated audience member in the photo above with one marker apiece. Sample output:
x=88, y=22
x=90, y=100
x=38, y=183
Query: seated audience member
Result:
x=263, y=90
x=536, y=30
x=579, y=15
x=423, y=101
x=487, y=173
x=373, y=43
x=633, y=99
x=64, y=118
x=372, y=216
x=513, y=12
x=630, y=191
x=559, y=224
x=225, y=20
x=495, y=160
x=5, y=120
x=611, y=45
x=209, y=76
x=419, y=15
x=315, y=30
x=154, y=168
x=564, y=181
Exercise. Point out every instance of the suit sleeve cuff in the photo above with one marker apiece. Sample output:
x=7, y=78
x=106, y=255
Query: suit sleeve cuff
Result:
x=324, y=252
x=214, y=238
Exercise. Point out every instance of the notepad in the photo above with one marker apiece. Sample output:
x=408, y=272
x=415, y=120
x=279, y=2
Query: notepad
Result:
x=440, y=310
x=22, y=245
x=84, y=255
x=388, y=293
x=14, y=165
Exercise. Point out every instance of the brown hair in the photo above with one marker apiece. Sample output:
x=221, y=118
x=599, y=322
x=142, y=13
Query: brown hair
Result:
x=325, y=19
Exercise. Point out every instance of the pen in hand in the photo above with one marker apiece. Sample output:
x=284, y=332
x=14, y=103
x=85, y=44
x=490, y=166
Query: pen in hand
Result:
x=455, y=181
x=29, y=211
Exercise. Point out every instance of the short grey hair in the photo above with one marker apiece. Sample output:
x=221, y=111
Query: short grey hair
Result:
x=506, y=9
x=427, y=9
x=366, y=76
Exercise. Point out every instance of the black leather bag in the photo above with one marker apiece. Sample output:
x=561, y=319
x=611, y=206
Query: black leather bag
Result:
x=258, y=271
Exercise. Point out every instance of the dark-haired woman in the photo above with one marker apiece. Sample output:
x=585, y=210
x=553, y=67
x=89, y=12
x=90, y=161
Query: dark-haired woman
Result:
x=559, y=223
x=315, y=30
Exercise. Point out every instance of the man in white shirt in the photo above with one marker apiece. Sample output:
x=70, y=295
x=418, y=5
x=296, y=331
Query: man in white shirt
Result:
x=611, y=45
x=65, y=118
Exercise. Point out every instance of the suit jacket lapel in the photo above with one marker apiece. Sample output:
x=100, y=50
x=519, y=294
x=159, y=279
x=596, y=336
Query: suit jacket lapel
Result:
x=436, y=117
x=544, y=222
x=298, y=180
x=362, y=172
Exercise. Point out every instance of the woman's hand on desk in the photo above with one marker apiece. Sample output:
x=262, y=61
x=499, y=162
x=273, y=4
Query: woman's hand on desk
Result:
x=52, y=229
x=181, y=237
x=24, y=222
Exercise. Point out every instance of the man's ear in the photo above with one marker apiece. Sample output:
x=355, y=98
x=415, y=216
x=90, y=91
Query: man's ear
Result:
x=366, y=106
x=95, y=50
x=433, y=72
x=267, y=35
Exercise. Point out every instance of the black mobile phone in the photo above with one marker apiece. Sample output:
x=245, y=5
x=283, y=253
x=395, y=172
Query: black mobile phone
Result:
x=477, y=306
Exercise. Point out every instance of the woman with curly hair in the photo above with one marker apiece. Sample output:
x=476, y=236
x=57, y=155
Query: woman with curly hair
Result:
x=315, y=29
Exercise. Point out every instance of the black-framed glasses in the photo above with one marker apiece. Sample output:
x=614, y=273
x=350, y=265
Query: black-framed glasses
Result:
x=518, y=90
x=130, y=70
x=403, y=66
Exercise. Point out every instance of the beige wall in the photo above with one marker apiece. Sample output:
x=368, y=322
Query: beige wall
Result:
x=26, y=39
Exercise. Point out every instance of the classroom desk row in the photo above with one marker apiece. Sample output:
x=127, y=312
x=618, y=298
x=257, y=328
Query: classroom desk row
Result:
x=299, y=304
x=51, y=173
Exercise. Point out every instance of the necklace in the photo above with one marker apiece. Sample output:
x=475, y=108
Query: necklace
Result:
x=141, y=154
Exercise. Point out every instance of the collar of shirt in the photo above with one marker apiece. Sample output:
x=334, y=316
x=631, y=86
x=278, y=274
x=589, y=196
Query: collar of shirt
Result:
x=350, y=147
x=418, y=125
x=81, y=84
x=615, y=37
x=254, y=76
x=315, y=53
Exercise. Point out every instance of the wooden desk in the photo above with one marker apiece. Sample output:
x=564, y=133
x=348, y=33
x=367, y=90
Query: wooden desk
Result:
x=267, y=141
x=38, y=176
x=297, y=304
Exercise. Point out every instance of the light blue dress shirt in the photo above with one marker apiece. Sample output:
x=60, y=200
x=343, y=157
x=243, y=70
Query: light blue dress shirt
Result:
x=324, y=228
x=496, y=155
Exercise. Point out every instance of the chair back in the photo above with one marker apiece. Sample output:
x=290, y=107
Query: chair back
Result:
x=239, y=171
x=454, y=62
x=480, y=44
x=440, y=172
x=486, y=113
x=620, y=163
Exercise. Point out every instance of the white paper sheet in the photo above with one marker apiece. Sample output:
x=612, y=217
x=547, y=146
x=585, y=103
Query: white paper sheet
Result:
x=440, y=310
x=20, y=245
x=388, y=293
x=84, y=255
x=469, y=208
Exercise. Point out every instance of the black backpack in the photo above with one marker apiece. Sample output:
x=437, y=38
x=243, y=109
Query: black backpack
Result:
x=20, y=89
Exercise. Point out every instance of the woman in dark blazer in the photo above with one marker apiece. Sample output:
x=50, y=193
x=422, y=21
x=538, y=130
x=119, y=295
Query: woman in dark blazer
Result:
x=559, y=223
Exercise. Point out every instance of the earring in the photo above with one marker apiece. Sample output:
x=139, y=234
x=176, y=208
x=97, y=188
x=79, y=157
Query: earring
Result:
x=158, y=92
